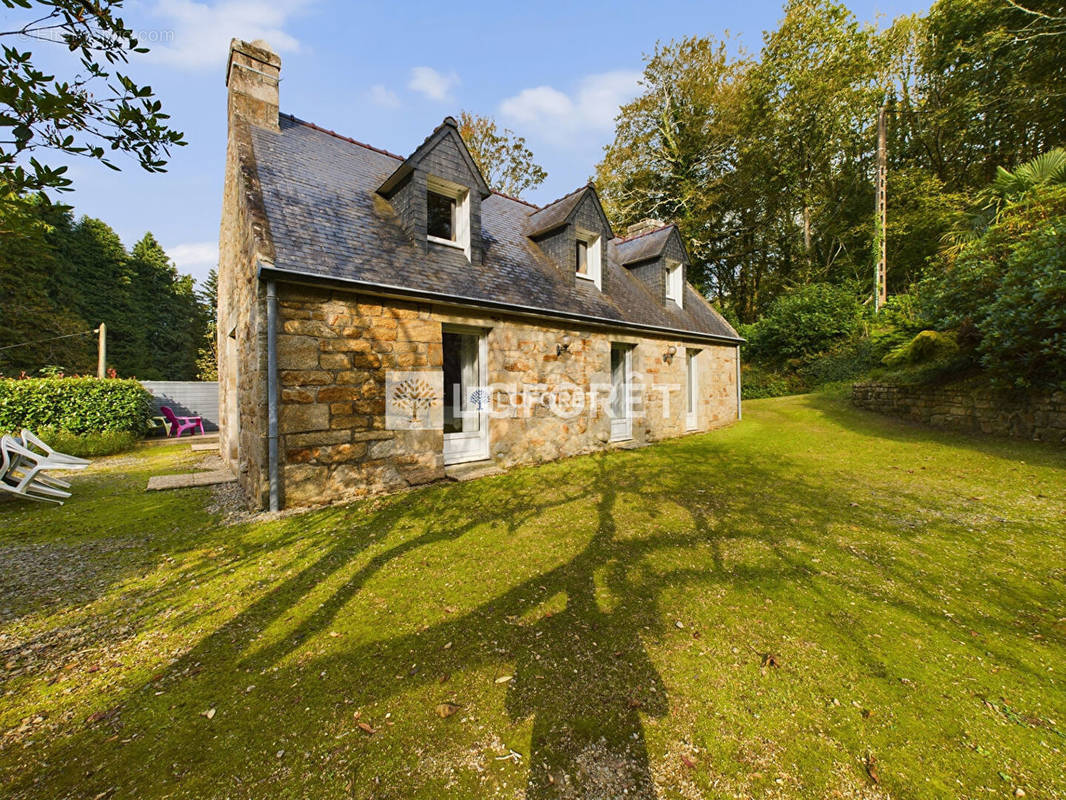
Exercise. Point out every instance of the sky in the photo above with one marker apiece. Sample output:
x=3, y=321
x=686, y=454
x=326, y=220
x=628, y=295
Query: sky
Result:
x=387, y=73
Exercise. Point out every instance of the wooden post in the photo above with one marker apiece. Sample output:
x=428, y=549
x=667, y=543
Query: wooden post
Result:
x=101, y=352
x=881, y=270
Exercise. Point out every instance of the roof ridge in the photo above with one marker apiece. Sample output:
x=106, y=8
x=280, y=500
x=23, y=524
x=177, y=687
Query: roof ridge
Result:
x=340, y=136
x=648, y=233
x=384, y=152
x=516, y=199
x=560, y=199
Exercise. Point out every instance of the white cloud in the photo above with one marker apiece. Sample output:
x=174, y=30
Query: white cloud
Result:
x=196, y=35
x=194, y=258
x=432, y=84
x=591, y=107
x=382, y=96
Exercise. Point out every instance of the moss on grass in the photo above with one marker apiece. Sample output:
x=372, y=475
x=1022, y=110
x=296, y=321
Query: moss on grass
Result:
x=765, y=610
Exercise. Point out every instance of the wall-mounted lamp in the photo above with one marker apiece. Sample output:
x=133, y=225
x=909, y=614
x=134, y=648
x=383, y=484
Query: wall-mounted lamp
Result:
x=564, y=346
x=668, y=356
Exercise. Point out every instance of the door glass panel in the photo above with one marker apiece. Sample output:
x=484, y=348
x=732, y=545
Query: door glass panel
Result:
x=690, y=366
x=460, y=379
x=618, y=380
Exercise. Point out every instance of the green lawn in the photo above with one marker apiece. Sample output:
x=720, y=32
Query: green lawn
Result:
x=817, y=602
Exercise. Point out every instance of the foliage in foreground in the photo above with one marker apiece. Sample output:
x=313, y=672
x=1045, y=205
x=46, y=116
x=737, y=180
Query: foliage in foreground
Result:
x=96, y=112
x=76, y=405
x=789, y=607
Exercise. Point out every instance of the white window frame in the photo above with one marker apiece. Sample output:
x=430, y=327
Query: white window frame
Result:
x=461, y=223
x=675, y=282
x=595, y=257
x=470, y=445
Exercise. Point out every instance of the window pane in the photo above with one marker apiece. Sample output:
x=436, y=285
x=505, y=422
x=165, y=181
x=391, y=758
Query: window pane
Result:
x=582, y=257
x=691, y=378
x=440, y=216
x=619, y=381
x=460, y=352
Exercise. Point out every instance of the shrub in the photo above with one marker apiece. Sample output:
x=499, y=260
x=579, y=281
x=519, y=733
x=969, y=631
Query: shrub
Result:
x=1004, y=293
x=88, y=445
x=77, y=405
x=756, y=383
x=844, y=361
x=925, y=348
x=805, y=322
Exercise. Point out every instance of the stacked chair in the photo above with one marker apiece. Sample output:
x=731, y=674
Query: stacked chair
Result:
x=24, y=460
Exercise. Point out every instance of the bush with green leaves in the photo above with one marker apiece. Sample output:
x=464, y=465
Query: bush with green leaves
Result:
x=88, y=445
x=1004, y=293
x=807, y=321
x=925, y=348
x=77, y=405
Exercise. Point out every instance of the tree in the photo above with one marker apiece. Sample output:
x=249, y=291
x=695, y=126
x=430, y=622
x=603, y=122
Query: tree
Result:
x=96, y=112
x=503, y=158
x=207, y=358
x=166, y=327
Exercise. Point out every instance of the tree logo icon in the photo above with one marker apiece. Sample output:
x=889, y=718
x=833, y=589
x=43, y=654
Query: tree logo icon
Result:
x=414, y=400
x=414, y=395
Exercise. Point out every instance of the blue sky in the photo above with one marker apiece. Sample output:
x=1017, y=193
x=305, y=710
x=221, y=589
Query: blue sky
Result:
x=386, y=73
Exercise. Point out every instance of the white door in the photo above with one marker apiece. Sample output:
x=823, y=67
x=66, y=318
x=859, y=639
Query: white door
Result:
x=621, y=394
x=692, y=392
x=466, y=419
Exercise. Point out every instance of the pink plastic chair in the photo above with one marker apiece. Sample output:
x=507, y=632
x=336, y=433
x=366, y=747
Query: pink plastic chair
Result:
x=178, y=425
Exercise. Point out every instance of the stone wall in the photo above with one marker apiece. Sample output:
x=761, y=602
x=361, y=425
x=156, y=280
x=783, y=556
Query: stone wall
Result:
x=334, y=349
x=1034, y=416
x=244, y=240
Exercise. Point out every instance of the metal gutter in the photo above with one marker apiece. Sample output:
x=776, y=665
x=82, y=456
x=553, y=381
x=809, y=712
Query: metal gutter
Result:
x=738, y=384
x=272, y=394
x=271, y=274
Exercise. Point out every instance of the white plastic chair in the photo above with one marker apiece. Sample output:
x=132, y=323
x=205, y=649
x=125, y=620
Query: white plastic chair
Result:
x=30, y=442
x=13, y=461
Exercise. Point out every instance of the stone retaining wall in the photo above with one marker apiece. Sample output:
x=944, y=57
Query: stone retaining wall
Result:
x=1041, y=417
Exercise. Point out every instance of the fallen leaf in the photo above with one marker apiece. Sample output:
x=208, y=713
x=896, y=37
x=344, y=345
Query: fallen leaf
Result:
x=504, y=678
x=871, y=767
x=366, y=728
x=210, y=713
x=769, y=660
x=448, y=646
x=443, y=678
x=679, y=625
x=688, y=762
x=446, y=709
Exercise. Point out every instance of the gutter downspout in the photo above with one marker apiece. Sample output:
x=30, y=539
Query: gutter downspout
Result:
x=738, y=383
x=272, y=395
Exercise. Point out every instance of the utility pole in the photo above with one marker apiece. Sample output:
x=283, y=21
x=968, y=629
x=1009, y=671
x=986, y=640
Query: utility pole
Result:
x=881, y=270
x=101, y=352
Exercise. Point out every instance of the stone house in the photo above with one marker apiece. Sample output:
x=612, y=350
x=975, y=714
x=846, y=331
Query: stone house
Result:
x=383, y=319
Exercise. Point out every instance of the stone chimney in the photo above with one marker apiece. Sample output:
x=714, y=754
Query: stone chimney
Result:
x=646, y=225
x=252, y=76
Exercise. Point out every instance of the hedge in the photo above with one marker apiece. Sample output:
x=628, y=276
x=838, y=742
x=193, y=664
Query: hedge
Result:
x=77, y=405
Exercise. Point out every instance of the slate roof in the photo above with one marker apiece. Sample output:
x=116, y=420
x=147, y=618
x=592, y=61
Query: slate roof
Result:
x=327, y=222
x=644, y=246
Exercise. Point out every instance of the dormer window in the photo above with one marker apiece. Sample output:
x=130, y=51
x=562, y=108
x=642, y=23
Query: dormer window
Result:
x=589, y=261
x=448, y=214
x=675, y=282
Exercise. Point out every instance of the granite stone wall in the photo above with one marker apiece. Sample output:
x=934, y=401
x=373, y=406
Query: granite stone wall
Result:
x=335, y=348
x=1037, y=416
